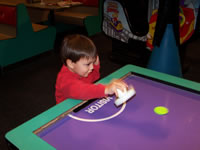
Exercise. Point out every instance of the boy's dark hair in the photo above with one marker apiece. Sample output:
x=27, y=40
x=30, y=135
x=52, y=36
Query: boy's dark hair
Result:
x=77, y=46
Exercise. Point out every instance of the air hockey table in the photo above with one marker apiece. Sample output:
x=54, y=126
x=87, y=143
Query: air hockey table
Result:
x=99, y=124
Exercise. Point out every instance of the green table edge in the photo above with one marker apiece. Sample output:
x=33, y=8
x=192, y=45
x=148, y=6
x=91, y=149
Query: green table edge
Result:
x=24, y=138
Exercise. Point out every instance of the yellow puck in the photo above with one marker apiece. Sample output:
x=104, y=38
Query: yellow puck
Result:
x=161, y=110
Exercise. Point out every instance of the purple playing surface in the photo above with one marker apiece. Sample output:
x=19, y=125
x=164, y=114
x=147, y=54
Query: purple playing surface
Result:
x=137, y=126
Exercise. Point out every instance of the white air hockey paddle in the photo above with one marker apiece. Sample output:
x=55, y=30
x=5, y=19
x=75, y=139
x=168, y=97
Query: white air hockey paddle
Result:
x=124, y=96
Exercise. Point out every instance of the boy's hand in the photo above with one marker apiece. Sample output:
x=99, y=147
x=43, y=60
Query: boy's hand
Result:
x=97, y=61
x=112, y=87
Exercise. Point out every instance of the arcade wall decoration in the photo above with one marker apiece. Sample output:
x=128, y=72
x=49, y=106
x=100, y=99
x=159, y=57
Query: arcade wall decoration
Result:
x=188, y=12
x=115, y=22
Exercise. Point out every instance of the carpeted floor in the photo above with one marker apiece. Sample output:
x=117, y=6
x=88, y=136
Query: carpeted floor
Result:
x=27, y=89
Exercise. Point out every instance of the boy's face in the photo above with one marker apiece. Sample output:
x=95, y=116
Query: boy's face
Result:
x=83, y=67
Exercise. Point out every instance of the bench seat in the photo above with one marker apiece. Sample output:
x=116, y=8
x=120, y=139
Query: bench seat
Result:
x=24, y=40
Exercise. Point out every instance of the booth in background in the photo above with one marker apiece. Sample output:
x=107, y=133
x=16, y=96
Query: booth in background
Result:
x=21, y=39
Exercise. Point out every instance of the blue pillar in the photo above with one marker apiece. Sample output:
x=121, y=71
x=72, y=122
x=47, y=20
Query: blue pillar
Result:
x=165, y=58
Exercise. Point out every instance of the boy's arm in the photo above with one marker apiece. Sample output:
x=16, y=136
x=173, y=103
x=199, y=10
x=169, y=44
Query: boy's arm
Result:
x=84, y=91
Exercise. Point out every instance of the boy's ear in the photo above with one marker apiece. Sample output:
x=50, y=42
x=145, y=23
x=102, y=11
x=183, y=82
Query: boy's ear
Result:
x=69, y=63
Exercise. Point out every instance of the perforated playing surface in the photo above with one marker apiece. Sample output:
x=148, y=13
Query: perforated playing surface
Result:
x=102, y=125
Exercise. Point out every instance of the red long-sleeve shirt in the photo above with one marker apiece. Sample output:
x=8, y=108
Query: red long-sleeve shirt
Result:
x=71, y=85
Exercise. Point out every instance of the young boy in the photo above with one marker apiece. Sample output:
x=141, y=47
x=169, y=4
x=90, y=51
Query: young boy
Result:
x=80, y=69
